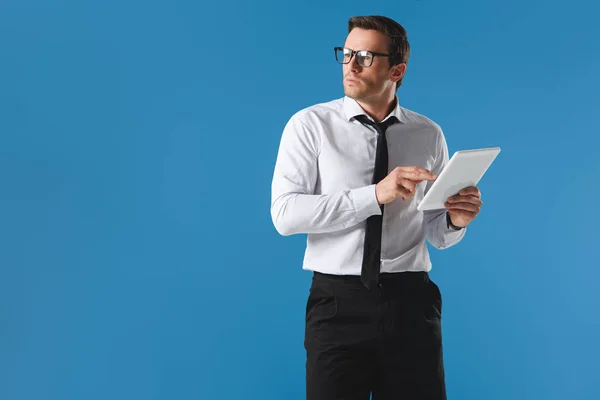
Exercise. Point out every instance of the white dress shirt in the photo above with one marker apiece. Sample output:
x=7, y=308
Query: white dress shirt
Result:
x=322, y=187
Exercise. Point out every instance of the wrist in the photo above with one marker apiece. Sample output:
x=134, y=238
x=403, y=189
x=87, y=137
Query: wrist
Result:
x=450, y=224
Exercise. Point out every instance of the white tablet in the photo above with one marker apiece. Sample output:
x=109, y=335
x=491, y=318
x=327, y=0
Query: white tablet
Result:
x=465, y=168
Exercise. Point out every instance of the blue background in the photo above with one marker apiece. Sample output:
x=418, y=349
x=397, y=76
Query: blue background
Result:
x=138, y=259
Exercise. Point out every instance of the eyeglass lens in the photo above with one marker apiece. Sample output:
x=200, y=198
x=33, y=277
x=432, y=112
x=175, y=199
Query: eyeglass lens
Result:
x=363, y=57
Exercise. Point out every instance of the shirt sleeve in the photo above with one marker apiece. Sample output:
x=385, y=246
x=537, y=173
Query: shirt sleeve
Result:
x=439, y=234
x=294, y=206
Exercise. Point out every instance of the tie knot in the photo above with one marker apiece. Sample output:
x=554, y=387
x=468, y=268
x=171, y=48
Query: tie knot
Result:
x=381, y=126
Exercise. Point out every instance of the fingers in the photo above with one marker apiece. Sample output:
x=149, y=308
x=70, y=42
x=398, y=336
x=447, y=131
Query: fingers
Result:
x=464, y=199
x=404, y=192
x=463, y=206
x=407, y=184
x=415, y=173
x=464, y=203
x=470, y=191
x=406, y=187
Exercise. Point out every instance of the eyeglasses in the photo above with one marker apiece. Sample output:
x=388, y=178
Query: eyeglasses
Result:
x=364, y=58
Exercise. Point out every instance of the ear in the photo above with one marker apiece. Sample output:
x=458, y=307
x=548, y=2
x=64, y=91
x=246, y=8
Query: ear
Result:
x=397, y=72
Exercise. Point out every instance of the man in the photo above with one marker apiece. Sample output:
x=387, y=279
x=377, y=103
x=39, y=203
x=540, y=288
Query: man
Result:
x=373, y=316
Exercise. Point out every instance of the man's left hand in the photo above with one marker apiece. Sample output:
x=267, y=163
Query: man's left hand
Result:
x=464, y=206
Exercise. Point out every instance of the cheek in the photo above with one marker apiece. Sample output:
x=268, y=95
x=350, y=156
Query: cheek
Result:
x=373, y=79
x=378, y=79
x=381, y=72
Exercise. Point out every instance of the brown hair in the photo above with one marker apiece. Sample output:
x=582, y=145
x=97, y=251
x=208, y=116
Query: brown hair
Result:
x=398, y=44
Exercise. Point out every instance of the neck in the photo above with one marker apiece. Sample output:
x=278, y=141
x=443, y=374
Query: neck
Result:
x=380, y=108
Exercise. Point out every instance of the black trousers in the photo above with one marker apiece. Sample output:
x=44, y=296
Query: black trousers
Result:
x=386, y=342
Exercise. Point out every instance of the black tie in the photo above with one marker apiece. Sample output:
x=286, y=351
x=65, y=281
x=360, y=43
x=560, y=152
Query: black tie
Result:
x=372, y=252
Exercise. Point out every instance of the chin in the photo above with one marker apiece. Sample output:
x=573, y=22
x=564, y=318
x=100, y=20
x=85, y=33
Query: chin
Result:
x=352, y=92
x=355, y=94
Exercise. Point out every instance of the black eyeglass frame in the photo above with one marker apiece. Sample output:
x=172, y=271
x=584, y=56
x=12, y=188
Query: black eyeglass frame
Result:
x=353, y=52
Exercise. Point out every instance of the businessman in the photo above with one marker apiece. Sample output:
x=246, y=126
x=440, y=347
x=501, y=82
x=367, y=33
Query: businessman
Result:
x=350, y=174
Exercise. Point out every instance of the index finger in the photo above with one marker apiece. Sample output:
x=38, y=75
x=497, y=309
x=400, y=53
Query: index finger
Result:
x=416, y=173
x=471, y=190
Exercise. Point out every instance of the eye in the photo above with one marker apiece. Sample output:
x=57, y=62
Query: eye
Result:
x=364, y=54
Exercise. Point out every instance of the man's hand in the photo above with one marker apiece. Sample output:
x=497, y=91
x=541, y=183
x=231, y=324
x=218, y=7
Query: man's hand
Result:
x=464, y=206
x=401, y=182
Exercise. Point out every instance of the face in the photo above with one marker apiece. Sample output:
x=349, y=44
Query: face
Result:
x=376, y=81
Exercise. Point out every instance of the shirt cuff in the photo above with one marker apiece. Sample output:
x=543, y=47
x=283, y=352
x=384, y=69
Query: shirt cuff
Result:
x=365, y=201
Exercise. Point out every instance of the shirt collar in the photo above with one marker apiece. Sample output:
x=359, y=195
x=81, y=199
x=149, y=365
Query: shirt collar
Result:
x=352, y=109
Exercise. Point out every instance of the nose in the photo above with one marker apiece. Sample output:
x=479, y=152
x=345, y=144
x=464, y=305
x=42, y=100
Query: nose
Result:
x=353, y=65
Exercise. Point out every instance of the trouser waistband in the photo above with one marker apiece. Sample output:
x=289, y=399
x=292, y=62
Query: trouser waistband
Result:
x=384, y=278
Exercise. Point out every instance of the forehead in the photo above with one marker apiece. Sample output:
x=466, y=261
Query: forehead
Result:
x=363, y=39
